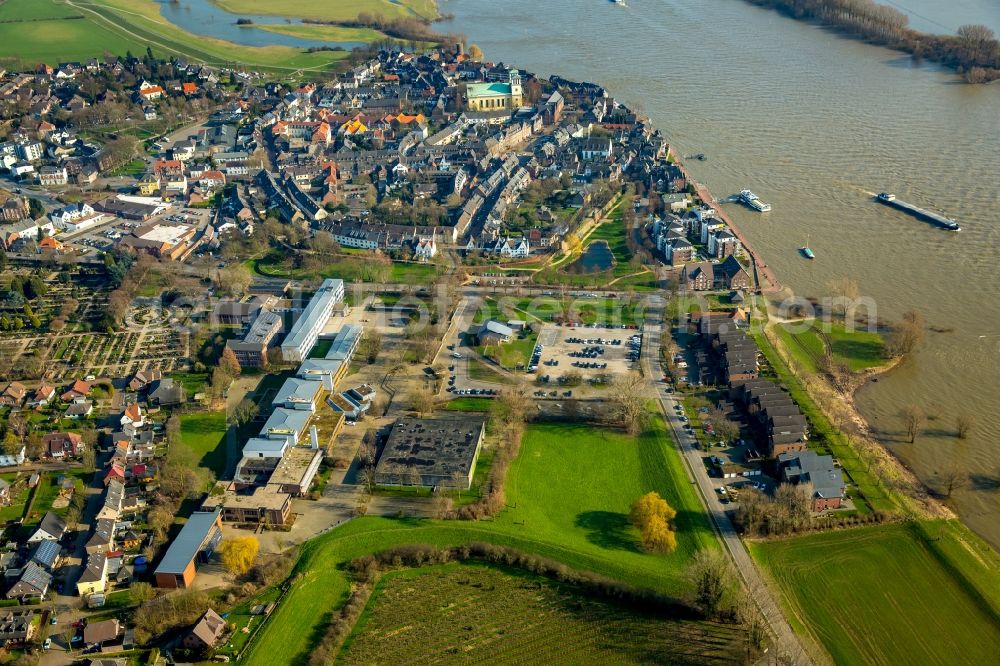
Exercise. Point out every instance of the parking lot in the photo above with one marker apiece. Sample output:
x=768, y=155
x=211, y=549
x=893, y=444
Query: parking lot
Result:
x=592, y=352
x=111, y=229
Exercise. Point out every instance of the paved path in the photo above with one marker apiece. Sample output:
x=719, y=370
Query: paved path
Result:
x=788, y=644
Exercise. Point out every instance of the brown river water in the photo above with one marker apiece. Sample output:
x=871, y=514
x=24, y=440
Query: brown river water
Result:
x=813, y=123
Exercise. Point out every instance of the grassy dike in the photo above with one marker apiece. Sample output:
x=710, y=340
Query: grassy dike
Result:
x=568, y=494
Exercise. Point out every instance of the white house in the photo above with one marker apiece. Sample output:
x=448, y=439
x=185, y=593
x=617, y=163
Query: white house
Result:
x=513, y=248
x=75, y=217
x=424, y=249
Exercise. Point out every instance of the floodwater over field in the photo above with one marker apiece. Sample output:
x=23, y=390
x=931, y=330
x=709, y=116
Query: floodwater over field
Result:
x=814, y=123
x=202, y=17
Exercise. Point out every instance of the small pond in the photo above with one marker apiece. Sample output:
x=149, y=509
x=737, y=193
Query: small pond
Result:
x=595, y=259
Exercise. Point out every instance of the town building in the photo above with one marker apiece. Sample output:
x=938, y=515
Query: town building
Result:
x=440, y=451
x=306, y=329
x=196, y=543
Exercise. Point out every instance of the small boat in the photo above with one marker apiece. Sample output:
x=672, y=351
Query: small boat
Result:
x=807, y=251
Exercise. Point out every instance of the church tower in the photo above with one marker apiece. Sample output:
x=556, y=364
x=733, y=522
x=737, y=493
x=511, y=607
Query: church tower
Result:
x=516, y=94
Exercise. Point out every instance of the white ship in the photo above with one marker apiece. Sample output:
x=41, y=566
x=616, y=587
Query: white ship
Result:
x=750, y=199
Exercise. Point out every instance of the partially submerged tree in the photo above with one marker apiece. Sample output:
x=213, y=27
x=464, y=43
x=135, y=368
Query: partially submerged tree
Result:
x=913, y=421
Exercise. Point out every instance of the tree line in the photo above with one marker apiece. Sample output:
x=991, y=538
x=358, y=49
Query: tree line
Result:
x=974, y=52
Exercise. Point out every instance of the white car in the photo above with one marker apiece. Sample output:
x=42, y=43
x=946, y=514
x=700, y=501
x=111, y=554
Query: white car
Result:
x=456, y=355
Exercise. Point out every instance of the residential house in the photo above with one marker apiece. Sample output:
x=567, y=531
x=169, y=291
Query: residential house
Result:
x=94, y=578
x=44, y=394
x=826, y=481
x=46, y=554
x=34, y=582
x=206, y=633
x=13, y=395
x=78, y=389
x=51, y=528
x=61, y=445
x=100, y=633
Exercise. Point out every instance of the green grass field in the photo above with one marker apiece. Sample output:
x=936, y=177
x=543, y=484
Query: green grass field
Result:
x=204, y=433
x=331, y=11
x=118, y=26
x=348, y=268
x=885, y=595
x=466, y=613
x=857, y=350
x=568, y=494
x=466, y=404
x=15, y=508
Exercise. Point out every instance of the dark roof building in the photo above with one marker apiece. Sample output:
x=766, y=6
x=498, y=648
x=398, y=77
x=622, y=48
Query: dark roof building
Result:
x=433, y=452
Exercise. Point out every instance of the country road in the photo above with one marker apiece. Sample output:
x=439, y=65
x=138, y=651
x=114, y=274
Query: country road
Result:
x=788, y=643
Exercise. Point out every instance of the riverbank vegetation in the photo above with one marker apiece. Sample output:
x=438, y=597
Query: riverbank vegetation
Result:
x=974, y=52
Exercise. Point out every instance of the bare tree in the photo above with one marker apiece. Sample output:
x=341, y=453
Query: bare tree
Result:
x=422, y=402
x=963, y=425
x=628, y=402
x=913, y=420
x=953, y=478
x=371, y=345
x=906, y=335
x=711, y=576
x=245, y=412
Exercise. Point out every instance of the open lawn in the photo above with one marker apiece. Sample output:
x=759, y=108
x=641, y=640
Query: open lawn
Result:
x=428, y=615
x=885, y=595
x=205, y=434
x=857, y=350
x=18, y=498
x=331, y=11
x=466, y=404
x=348, y=268
x=568, y=494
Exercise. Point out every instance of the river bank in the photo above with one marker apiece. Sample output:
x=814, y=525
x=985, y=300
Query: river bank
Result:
x=814, y=123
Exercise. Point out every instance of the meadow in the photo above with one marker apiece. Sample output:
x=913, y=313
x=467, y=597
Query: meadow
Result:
x=466, y=613
x=857, y=350
x=892, y=594
x=205, y=434
x=568, y=494
x=55, y=31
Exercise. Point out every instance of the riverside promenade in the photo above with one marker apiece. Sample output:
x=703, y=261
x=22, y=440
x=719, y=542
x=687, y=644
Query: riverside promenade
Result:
x=763, y=276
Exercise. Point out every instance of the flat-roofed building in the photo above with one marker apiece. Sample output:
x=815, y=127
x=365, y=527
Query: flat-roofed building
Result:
x=345, y=343
x=196, y=542
x=251, y=350
x=326, y=371
x=440, y=451
x=300, y=394
x=259, y=505
x=284, y=422
x=309, y=325
x=296, y=470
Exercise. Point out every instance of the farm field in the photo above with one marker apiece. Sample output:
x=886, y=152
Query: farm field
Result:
x=890, y=594
x=331, y=11
x=205, y=434
x=427, y=616
x=89, y=28
x=568, y=494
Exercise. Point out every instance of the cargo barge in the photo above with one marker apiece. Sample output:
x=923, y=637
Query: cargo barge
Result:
x=917, y=212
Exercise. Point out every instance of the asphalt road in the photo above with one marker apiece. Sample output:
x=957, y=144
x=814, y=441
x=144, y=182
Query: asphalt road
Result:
x=787, y=643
